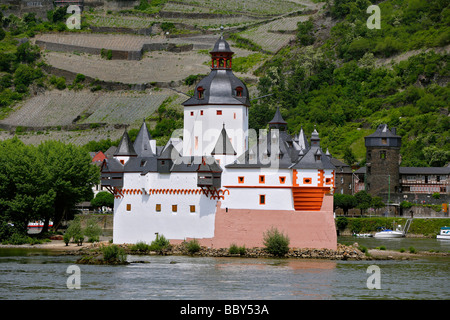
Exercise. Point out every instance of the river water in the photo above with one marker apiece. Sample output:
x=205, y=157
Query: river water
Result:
x=38, y=274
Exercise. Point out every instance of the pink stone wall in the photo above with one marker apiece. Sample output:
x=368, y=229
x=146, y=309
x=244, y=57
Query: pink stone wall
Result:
x=306, y=229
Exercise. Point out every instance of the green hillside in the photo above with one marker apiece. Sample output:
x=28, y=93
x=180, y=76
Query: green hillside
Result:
x=337, y=74
x=338, y=84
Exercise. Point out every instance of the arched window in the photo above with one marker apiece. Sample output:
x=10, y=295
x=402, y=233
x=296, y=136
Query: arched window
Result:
x=201, y=92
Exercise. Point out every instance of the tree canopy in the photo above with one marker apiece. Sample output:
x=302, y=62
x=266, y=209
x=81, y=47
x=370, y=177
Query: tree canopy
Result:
x=43, y=182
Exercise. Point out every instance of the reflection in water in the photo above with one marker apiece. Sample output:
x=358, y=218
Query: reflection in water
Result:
x=27, y=276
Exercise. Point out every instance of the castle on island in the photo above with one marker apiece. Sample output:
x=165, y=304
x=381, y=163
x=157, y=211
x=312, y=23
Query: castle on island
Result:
x=221, y=183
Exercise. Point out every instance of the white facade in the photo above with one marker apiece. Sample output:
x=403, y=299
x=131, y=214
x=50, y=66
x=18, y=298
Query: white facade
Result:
x=164, y=207
x=259, y=189
x=203, y=124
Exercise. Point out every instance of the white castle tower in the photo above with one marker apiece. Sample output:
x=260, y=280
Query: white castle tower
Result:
x=220, y=101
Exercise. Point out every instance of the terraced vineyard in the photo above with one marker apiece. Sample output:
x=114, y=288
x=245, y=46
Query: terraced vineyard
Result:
x=274, y=35
x=270, y=24
x=96, y=40
x=129, y=108
x=256, y=7
x=61, y=108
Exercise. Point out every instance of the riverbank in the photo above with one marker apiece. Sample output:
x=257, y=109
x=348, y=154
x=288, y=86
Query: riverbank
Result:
x=343, y=252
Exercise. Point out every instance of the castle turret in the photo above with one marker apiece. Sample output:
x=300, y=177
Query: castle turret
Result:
x=125, y=150
x=382, y=161
x=219, y=98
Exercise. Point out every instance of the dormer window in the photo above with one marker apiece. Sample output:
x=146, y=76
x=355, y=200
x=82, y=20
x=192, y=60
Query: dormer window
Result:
x=317, y=157
x=239, y=92
x=201, y=92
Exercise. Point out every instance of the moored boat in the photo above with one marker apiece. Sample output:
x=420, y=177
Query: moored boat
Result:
x=444, y=234
x=39, y=224
x=397, y=233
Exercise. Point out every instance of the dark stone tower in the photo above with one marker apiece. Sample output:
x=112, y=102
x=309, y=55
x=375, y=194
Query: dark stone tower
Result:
x=383, y=161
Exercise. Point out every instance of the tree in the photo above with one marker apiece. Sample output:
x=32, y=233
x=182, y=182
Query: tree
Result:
x=71, y=176
x=92, y=230
x=364, y=200
x=103, y=199
x=349, y=157
x=305, y=32
x=344, y=201
x=24, y=187
x=44, y=182
x=377, y=203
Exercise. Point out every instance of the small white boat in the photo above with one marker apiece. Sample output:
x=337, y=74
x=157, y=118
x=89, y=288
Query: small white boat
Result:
x=397, y=233
x=362, y=235
x=388, y=233
x=39, y=224
x=444, y=234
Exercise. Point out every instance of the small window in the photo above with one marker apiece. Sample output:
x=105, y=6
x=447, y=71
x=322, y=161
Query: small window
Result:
x=192, y=208
x=239, y=92
x=192, y=113
x=234, y=115
x=240, y=179
x=282, y=180
x=122, y=161
x=219, y=112
x=158, y=207
x=317, y=157
x=328, y=180
x=128, y=206
x=174, y=208
x=383, y=154
x=262, y=179
x=143, y=163
x=307, y=180
x=201, y=112
x=383, y=140
x=262, y=199
x=201, y=92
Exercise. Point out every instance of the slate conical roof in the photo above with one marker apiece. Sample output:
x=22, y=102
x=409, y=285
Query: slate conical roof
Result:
x=125, y=147
x=302, y=140
x=169, y=153
x=142, y=142
x=221, y=45
x=220, y=86
x=223, y=145
x=277, y=120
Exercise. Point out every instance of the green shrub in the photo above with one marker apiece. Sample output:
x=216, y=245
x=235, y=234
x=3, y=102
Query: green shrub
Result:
x=276, y=242
x=412, y=250
x=66, y=238
x=113, y=253
x=159, y=243
x=140, y=247
x=234, y=249
x=193, y=246
x=74, y=230
x=92, y=230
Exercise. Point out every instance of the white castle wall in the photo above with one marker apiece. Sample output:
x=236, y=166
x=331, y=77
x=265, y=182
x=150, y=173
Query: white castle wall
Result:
x=246, y=195
x=207, y=128
x=136, y=217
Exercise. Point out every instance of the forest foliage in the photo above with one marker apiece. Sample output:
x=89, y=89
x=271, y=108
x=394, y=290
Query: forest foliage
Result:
x=338, y=83
x=42, y=182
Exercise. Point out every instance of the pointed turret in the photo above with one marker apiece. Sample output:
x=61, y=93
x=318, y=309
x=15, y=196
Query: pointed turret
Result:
x=302, y=140
x=125, y=147
x=223, y=145
x=142, y=144
x=278, y=122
